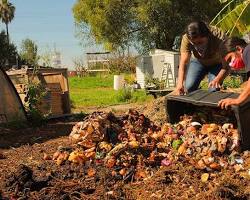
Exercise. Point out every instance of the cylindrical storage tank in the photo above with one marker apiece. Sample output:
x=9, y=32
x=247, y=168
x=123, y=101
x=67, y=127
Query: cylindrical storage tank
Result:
x=118, y=82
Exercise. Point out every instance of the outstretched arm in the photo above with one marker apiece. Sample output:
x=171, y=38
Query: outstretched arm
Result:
x=224, y=103
x=184, y=60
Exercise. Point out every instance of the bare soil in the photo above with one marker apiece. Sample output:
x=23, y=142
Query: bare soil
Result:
x=24, y=174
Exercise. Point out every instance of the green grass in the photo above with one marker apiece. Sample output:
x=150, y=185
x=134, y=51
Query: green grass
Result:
x=98, y=91
x=91, y=82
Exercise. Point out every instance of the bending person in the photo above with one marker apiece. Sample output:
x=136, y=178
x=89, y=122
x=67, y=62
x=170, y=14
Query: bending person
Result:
x=236, y=51
x=200, y=56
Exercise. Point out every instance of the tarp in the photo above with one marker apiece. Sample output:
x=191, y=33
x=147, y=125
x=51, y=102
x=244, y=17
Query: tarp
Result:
x=11, y=107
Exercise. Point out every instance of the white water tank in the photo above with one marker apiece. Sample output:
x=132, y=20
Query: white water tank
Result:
x=118, y=82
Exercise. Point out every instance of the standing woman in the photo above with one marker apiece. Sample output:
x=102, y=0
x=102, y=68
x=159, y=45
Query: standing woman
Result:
x=200, y=56
x=237, y=52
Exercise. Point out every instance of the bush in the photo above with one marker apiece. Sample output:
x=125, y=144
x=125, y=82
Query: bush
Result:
x=156, y=83
x=131, y=96
x=124, y=95
x=34, y=96
x=229, y=82
x=130, y=79
x=122, y=64
x=232, y=82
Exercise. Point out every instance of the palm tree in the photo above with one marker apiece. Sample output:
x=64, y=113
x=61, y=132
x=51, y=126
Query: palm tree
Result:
x=7, y=11
x=234, y=18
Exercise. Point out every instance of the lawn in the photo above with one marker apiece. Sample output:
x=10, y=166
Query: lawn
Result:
x=98, y=91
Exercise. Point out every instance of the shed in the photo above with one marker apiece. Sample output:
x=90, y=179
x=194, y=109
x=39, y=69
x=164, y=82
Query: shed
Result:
x=57, y=101
x=159, y=64
x=11, y=107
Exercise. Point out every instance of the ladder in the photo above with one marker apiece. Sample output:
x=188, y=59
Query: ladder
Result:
x=167, y=76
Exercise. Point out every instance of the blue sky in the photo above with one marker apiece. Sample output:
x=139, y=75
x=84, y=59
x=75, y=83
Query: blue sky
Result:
x=47, y=22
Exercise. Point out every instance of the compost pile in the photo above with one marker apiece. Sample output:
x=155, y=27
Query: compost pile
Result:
x=130, y=157
x=155, y=110
x=132, y=145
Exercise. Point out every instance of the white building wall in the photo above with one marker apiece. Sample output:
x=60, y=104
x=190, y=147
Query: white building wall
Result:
x=153, y=65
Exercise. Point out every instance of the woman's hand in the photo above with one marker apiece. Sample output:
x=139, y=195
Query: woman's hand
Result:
x=214, y=84
x=179, y=90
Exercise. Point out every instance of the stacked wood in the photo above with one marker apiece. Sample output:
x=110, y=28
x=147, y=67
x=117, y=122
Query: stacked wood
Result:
x=52, y=102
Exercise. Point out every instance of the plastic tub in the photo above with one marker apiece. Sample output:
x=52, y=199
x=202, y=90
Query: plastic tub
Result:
x=118, y=82
x=177, y=106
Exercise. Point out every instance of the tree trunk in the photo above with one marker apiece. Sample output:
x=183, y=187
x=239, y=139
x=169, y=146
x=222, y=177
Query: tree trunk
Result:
x=7, y=32
x=8, y=43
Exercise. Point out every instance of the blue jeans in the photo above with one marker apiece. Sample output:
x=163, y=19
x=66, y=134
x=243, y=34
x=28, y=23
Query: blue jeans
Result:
x=196, y=72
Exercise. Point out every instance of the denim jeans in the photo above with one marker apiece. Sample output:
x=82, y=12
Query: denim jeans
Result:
x=196, y=72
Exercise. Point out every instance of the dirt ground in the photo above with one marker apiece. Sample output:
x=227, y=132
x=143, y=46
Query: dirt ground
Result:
x=22, y=161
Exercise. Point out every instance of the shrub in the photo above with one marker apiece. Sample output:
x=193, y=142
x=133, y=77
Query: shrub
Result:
x=35, y=93
x=229, y=82
x=232, y=82
x=122, y=64
x=124, y=95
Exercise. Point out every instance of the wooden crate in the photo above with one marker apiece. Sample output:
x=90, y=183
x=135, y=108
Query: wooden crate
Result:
x=57, y=102
x=21, y=88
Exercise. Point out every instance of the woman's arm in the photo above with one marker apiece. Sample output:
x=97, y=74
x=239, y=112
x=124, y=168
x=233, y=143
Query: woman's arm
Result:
x=184, y=60
x=225, y=70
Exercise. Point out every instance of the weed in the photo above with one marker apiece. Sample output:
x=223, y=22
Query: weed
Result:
x=35, y=93
x=124, y=95
x=232, y=82
x=229, y=82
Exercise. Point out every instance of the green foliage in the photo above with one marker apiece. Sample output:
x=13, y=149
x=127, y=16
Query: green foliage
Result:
x=204, y=84
x=147, y=24
x=234, y=17
x=131, y=96
x=176, y=144
x=232, y=82
x=35, y=93
x=130, y=79
x=28, y=52
x=124, y=95
x=155, y=83
x=7, y=51
x=105, y=17
x=229, y=82
x=7, y=12
x=122, y=64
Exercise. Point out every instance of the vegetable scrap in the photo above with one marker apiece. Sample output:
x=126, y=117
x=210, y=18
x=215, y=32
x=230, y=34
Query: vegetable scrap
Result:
x=132, y=145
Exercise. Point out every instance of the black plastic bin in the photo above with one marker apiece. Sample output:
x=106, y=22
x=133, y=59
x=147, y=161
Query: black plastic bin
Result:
x=177, y=106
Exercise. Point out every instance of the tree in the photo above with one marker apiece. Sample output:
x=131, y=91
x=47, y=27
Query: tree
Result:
x=46, y=57
x=106, y=21
x=80, y=66
x=7, y=51
x=28, y=52
x=118, y=24
x=7, y=12
x=234, y=17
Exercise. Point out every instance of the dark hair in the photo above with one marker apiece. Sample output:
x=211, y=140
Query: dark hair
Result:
x=197, y=29
x=229, y=45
